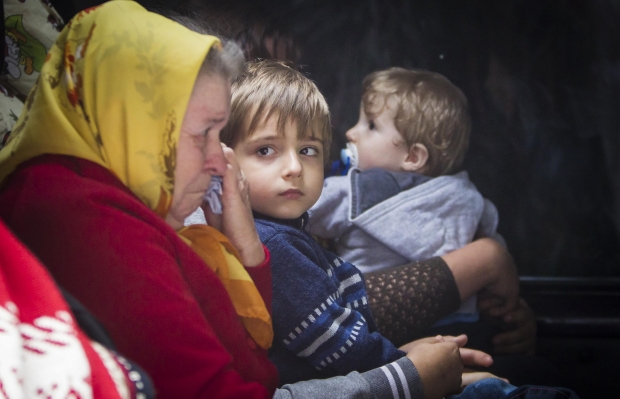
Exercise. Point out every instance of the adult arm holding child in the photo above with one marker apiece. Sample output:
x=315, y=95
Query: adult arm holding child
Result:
x=400, y=296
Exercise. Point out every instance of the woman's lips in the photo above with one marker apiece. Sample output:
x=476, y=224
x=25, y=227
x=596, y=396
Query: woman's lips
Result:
x=292, y=194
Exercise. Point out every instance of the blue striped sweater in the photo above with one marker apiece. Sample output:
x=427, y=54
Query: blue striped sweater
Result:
x=322, y=322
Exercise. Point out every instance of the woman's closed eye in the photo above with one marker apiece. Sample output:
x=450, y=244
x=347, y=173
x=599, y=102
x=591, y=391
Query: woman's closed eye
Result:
x=309, y=151
x=265, y=151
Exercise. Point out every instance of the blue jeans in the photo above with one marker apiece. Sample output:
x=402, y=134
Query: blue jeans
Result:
x=494, y=388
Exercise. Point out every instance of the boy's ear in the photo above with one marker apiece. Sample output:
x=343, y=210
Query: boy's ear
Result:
x=416, y=160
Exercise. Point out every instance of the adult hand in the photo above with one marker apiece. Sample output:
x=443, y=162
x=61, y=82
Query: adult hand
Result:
x=520, y=337
x=236, y=221
x=485, y=267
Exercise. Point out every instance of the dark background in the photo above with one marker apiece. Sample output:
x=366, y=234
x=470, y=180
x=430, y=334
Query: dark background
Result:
x=542, y=78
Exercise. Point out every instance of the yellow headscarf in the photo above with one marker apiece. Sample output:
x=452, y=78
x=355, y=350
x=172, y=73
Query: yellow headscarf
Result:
x=113, y=90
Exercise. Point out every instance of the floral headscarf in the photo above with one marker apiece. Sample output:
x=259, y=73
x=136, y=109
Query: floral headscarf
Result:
x=114, y=69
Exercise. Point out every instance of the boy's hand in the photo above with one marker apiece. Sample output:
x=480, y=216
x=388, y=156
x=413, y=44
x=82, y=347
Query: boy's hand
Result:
x=236, y=221
x=440, y=381
x=469, y=357
x=439, y=366
x=520, y=335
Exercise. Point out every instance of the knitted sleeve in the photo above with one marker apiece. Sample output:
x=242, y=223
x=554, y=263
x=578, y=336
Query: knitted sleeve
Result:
x=399, y=379
x=406, y=300
x=316, y=316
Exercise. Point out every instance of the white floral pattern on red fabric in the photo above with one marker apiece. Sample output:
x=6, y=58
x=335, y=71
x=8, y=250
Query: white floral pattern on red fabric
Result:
x=44, y=359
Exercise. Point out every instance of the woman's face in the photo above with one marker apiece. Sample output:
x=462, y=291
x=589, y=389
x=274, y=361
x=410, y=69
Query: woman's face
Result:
x=199, y=151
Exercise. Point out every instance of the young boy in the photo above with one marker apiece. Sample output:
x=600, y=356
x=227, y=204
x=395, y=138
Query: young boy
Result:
x=402, y=202
x=279, y=129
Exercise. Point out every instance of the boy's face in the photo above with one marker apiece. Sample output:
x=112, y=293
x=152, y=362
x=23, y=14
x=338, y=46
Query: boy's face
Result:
x=285, y=173
x=379, y=145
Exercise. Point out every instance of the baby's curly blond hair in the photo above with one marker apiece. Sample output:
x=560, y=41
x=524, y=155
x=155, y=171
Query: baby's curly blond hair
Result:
x=428, y=109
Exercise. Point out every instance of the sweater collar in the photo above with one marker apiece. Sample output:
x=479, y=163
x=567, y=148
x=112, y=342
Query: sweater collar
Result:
x=299, y=223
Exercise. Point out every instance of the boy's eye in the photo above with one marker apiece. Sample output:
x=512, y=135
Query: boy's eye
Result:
x=310, y=151
x=371, y=125
x=264, y=151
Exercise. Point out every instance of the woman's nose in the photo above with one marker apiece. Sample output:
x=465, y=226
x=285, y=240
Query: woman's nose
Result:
x=215, y=162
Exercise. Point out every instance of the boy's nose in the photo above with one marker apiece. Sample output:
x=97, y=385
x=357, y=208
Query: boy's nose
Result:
x=293, y=166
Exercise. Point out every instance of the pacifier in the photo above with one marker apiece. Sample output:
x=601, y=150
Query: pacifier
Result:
x=348, y=155
x=348, y=159
x=212, y=196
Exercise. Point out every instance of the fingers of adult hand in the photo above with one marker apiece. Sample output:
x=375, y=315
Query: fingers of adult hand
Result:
x=517, y=332
x=527, y=347
x=519, y=341
x=237, y=183
x=213, y=219
x=521, y=314
x=229, y=154
x=502, y=309
x=472, y=357
x=489, y=301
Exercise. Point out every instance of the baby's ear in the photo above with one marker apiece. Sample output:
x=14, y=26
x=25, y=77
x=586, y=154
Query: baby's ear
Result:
x=416, y=160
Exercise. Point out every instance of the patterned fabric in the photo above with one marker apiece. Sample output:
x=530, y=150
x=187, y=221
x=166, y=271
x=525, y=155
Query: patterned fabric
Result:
x=322, y=322
x=43, y=351
x=127, y=122
x=10, y=108
x=406, y=300
x=30, y=29
x=130, y=124
x=217, y=252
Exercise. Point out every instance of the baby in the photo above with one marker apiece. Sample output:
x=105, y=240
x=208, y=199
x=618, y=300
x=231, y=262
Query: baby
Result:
x=403, y=200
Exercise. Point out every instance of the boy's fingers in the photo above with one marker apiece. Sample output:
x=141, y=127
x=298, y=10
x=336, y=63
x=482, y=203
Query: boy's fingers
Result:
x=460, y=340
x=472, y=357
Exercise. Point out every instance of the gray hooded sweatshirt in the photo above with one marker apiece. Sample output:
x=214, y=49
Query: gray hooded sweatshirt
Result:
x=379, y=218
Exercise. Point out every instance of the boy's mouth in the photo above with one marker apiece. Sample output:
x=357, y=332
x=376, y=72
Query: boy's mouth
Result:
x=292, y=194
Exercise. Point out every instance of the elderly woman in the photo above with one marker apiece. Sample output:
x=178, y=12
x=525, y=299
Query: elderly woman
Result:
x=117, y=144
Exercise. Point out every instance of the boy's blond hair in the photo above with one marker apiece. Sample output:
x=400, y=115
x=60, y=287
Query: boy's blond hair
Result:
x=269, y=87
x=428, y=109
